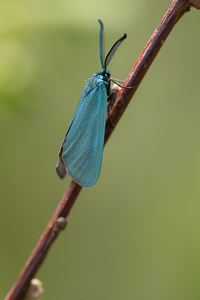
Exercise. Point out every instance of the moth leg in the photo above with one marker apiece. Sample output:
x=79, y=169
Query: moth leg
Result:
x=110, y=99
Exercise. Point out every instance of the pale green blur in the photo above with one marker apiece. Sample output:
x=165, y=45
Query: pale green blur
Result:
x=135, y=234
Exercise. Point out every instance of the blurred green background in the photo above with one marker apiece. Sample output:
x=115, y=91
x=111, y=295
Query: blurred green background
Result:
x=136, y=233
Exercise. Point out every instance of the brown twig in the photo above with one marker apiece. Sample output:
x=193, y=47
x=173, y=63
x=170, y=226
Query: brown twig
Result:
x=174, y=13
x=196, y=4
x=176, y=10
x=46, y=240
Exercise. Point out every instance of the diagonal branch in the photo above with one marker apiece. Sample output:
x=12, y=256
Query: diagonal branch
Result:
x=174, y=13
x=177, y=9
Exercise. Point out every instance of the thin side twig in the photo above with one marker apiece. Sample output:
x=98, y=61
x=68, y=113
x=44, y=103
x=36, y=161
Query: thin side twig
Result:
x=174, y=13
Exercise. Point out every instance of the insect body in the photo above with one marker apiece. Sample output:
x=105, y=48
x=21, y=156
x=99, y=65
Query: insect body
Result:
x=81, y=152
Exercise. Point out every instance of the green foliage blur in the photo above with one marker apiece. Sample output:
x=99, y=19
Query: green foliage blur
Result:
x=136, y=233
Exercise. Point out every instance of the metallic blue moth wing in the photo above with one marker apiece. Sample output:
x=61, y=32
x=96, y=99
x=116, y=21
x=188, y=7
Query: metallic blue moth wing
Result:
x=82, y=149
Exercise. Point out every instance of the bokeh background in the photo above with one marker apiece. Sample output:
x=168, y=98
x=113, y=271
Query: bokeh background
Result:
x=136, y=233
